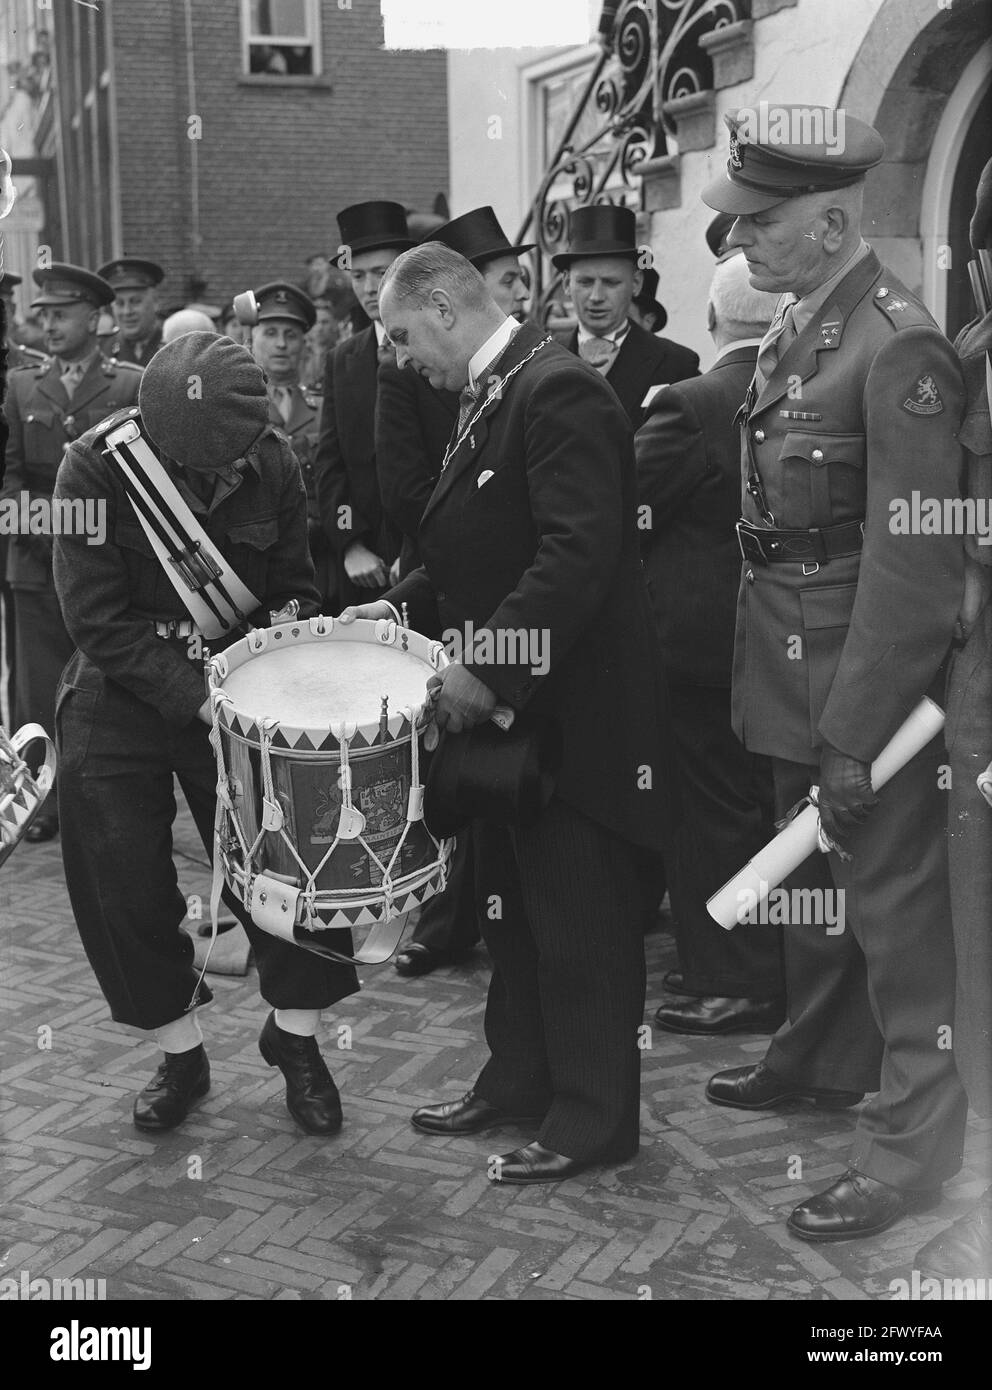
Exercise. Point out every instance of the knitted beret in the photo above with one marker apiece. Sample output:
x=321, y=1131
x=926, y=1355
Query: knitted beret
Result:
x=203, y=400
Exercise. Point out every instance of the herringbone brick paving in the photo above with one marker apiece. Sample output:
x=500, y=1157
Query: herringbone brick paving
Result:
x=239, y=1204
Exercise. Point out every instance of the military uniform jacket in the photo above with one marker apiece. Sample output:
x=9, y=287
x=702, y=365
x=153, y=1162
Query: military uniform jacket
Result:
x=125, y=349
x=302, y=429
x=861, y=412
x=413, y=426
x=43, y=420
x=644, y=360
x=345, y=464
x=531, y=529
x=112, y=594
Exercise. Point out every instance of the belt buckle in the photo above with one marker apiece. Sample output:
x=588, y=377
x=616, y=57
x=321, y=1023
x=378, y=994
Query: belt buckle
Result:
x=744, y=532
x=813, y=567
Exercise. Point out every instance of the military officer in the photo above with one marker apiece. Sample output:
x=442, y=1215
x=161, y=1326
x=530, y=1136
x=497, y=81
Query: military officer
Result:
x=134, y=284
x=283, y=315
x=602, y=275
x=47, y=407
x=365, y=542
x=844, y=624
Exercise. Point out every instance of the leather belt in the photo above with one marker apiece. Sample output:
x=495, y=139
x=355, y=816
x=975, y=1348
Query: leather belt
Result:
x=175, y=627
x=770, y=545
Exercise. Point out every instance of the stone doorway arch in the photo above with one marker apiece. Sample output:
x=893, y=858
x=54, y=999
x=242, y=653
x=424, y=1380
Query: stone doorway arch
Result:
x=903, y=80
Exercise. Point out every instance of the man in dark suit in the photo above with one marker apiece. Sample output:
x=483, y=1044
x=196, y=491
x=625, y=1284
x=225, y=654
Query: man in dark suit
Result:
x=358, y=530
x=413, y=427
x=134, y=283
x=688, y=476
x=602, y=274
x=47, y=407
x=530, y=535
x=280, y=314
x=845, y=621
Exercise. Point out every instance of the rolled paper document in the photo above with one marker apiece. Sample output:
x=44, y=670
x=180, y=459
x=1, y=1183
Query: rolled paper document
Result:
x=737, y=900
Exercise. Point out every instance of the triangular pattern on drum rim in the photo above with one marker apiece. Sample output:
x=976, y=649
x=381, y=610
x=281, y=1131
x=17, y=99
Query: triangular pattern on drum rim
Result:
x=279, y=739
x=329, y=743
x=304, y=743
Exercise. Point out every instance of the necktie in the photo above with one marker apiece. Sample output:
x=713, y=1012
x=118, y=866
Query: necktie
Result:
x=71, y=377
x=284, y=402
x=467, y=402
x=599, y=353
x=775, y=343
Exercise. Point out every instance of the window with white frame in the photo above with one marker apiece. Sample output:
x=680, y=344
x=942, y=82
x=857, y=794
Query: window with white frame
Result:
x=280, y=38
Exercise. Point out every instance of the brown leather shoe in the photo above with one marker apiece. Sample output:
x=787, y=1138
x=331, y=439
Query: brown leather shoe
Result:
x=758, y=1088
x=470, y=1115
x=855, y=1206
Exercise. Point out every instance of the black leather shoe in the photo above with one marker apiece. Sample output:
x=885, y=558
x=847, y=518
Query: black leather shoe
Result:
x=964, y=1250
x=856, y=1206
x=470, y=1115
x=311, y=1095
x=535, y=1163
x=712, y=1014
x=182, y=1078
x=758, y=1088
x=42, y=829
x=416, y=960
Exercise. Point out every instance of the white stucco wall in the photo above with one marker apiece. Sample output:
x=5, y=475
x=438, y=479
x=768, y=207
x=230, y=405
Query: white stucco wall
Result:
x=801, y=55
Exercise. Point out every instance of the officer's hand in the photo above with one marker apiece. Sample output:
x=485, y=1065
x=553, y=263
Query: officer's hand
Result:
x=461, y=700
x=363, y=567
x=372, y=611
x=846, y=798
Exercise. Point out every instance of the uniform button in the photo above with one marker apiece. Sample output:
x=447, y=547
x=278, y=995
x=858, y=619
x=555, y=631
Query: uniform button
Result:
x=881, y=293
x=817, y=456
x=759, y=436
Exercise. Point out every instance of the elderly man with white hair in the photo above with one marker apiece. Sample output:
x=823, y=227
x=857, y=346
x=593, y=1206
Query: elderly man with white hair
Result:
x=688, y=476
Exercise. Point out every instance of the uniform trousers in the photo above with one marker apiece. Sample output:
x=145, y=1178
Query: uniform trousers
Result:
x=969, y=739
x=117, y=757
x=561, y=907
x=726, y=816
x=871, y=1007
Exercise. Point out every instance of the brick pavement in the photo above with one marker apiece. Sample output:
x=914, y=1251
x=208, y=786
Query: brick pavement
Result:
x=240, y=1204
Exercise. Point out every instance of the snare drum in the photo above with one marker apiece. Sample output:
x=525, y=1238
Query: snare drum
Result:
x=22, y=794
x=318, y=730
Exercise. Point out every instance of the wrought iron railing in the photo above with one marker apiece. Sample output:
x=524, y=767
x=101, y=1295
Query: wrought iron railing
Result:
x=654, y=58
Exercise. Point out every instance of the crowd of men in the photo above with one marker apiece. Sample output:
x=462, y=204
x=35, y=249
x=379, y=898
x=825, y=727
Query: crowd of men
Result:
x=595, y=495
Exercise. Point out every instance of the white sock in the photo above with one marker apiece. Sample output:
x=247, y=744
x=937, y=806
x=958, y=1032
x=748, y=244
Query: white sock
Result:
x=181, y=1035
x=303, y=1022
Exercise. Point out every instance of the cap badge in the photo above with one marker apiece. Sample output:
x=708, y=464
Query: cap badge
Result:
x=282, y=297
x=735, y=153
x=925, y=399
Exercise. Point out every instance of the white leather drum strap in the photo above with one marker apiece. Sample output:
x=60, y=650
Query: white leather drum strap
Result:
x=213, y=595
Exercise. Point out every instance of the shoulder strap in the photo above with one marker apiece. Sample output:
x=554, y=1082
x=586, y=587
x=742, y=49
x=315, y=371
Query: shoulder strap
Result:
x=213, y=595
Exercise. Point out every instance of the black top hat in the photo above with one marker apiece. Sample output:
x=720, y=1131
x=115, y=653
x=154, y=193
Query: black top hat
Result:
x=130, y=273
x=478, y=237
x=599, y=230
x=371, y=226
x=505, y=777
x=62, y=283
x=646, y=299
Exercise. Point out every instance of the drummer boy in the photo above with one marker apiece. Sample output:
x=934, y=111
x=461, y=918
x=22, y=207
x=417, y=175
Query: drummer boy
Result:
x=131, y=713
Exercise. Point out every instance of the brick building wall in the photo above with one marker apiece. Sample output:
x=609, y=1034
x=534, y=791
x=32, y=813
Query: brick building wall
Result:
x=276, y=159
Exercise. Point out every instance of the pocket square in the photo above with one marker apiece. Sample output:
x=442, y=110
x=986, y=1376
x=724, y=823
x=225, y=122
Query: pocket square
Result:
x=484, y=477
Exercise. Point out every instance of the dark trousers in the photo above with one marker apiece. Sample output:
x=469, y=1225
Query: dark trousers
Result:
x=118, y=756
x=448, y=922
x=870, y=1008
x=561, y=906
x=42, y=648
x=8, y=663
x=726, y=816
x=969, y=739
